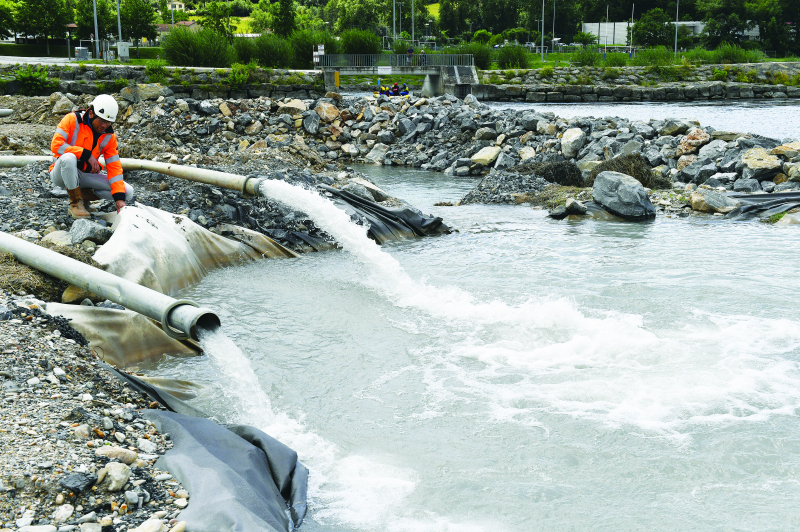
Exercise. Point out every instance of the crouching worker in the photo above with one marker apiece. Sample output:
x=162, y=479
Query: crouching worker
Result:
x=80, y=139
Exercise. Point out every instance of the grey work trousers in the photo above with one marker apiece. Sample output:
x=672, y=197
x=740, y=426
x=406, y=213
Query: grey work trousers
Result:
x=66, y=175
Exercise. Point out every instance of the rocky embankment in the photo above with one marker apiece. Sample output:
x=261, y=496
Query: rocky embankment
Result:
x=76, y=455
x=687, y=82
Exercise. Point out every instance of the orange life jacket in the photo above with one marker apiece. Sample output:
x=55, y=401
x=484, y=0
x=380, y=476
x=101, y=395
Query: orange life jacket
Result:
x=74, y=135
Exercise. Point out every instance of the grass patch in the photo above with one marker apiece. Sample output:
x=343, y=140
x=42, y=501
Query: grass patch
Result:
x=551, y=197
x=774, y=218
x=635, y=166
x=16, y=277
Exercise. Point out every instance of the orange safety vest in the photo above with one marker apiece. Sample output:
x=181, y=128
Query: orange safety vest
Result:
x=74, y=135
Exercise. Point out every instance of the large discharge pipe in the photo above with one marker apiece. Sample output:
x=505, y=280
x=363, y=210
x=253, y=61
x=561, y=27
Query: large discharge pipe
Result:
x=179, y=318
x=246, y=185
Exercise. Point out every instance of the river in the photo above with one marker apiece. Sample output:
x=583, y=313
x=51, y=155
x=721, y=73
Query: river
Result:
x=524, y=374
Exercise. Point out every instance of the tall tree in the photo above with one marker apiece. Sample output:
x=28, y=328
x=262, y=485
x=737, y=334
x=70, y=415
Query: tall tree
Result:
x=284, y=23
x=106, y=19
x=726, y=21
x=448, y=18
x=138, y=19
x=653, y=29
x=776, y=20
x=217, y=18
x=7, y=23
x=43, y=18
x=355, y=14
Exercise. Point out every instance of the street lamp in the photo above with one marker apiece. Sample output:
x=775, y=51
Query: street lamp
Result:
x=677, y=9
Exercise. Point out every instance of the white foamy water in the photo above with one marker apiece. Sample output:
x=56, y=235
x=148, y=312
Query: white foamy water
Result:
x=522, y=371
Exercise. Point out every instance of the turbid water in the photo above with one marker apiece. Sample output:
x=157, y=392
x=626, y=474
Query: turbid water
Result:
x=521, y=374
x=778, y=119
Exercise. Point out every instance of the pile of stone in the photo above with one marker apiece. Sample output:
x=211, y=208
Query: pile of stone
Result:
x=83, y=459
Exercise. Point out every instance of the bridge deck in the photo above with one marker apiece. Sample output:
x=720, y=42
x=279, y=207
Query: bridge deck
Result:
x=416, y=64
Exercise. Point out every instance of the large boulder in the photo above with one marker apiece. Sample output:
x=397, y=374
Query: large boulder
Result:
x=527, y=153
x=674, y=127
x=84, y=229
x=487, y=155
x=704, y=200
x=713, y=150
x=377, y=154
x=693, y=140
x=327, y=112
x=485, y=133
x=62, y=106
x=311, y=123
x=572, y=142
x=622, y=195
x=760, y=164
x=292, y=107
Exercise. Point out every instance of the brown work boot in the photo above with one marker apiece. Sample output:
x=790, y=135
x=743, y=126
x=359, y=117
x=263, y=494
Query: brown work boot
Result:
x=88, y=195
x=76, y=208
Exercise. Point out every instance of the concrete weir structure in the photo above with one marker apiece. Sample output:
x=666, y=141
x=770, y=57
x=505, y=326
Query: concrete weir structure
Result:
x=444, y=73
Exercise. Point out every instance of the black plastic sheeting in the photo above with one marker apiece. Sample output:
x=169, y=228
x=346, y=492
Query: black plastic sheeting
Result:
x=385, y=224
x=240, y=478
x=764, y=204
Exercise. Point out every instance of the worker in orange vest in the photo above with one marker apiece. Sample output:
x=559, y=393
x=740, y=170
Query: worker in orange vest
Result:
x=81, y=138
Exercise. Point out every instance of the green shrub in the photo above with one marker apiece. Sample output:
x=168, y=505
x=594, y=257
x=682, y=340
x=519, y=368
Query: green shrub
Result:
x=33, y=80
x=671, y=72
x=246, y=49
x=587, y=56
x=720, y=75
x=273, y=51
x=611, y=73
x=156, y=71
x=148, y=52
x=359, y=42
x=304, y=43
x=726, y=54
x=661, y=56
x=616, y=60
x=562, y=173
x=515, y=56
x=204, y=48
x=699, y=55
x=481, y=53
x=546, y=71
x=400, y=47
x=240, y=74
x=481, y=37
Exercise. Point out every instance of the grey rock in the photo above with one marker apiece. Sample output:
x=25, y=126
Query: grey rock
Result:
x=698, y=171
x=713, y=150
x=88, y=518
x=622, y=195
x=117, y=476
x=208, y=108
x=675, y=127
x=631, y=147
x=377, y=154
x=406, y=126
x=503, y=161
x=77, y=482
x=746, y=185
x=485, y=133
x=574, y=206
x=359, y=190
x=88, y=230
x=645, y=130
x=311, y=123
x=385, y=136
x=767, y=186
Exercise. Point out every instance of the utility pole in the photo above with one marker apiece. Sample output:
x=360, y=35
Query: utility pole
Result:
x=554, y=24
x=542, y=31
x=677, y=9
x=412, y=22
x=605, y=49
x=394, y=18
x=97, y=33
x=119, y=26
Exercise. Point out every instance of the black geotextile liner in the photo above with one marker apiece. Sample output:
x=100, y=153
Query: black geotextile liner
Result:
x=239, y=478
x=764, y=204
x=386, y=225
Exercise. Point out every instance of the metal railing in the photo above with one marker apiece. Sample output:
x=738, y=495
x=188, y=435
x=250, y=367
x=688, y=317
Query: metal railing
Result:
x=391, y=60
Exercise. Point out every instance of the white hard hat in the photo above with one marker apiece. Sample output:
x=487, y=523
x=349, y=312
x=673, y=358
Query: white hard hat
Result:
x=105, y=107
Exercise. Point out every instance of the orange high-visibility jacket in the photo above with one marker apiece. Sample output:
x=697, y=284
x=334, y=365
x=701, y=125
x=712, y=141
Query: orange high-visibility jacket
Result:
x=74, y=135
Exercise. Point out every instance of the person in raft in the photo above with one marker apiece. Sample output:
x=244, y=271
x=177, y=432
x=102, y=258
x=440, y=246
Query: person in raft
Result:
x=80, y=139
